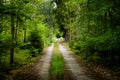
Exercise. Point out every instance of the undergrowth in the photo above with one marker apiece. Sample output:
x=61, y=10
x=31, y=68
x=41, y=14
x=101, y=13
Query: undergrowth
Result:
x=98, y=66
x=22, y=61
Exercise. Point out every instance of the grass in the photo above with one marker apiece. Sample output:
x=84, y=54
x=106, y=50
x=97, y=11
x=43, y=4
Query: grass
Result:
x=57, y=64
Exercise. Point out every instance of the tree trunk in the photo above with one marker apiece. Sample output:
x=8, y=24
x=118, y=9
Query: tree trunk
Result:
x=16, y=30
x=67, y=35
x=110, y=16
x=12, y=47
x=24, y=35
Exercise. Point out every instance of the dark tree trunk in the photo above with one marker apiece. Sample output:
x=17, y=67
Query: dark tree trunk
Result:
x=24, y=35
x=67, y=35
x=12, y=47
x=16, y=29
x=110, y=16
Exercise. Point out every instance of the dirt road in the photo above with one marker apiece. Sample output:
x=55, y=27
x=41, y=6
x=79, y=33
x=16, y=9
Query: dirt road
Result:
x=73, y=70
x=72, y=64
x=43, y=73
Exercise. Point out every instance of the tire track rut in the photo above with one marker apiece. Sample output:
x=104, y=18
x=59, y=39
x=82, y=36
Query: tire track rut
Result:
x=72, y=64
x=43, y=73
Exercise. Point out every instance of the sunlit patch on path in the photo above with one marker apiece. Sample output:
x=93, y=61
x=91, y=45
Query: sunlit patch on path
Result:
x=43, y=73
x=72, y=64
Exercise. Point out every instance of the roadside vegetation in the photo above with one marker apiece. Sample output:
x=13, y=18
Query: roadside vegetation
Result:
x=57, y=64
x=23, y=35
x=92, y=29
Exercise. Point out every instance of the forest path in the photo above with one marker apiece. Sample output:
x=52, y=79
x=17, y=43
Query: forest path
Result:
x=72, y=64
x=41, y=69
x=43, y=73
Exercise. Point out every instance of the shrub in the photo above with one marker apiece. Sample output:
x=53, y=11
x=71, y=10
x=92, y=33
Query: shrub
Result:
x=71, y=44
x=36, y=41
x=34, y=52
x=5, y=43
x=21, y=56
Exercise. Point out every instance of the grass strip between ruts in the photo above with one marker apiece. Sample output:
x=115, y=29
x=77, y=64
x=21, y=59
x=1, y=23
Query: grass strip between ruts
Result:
x=57, y=64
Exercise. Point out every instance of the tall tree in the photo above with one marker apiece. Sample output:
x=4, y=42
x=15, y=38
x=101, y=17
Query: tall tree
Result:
x=66, y=14
x=15, y=11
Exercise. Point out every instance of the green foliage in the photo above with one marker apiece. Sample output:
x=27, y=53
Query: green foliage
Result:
x=34, y=52
x=36, y=42
x=71, y=44
x=5, y=43
x=17, y=18
x=95, y=33
x=22, y=56
x=66, y=15
x=45, y=33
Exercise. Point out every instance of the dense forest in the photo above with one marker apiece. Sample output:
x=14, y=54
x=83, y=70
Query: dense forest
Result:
x=24, y=32
x=90, y=27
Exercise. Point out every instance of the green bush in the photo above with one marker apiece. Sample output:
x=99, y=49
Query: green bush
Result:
x=34, y=52
x=36, y=41
x=21, y=56
x=25, y=45
x=71, y=44
x=5, y=43
x=94, y=58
